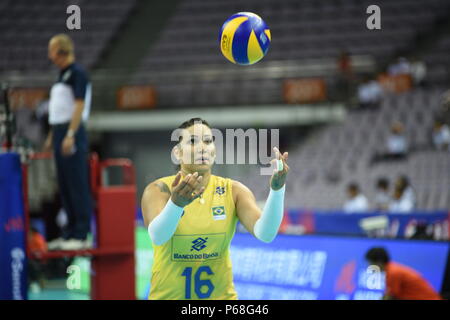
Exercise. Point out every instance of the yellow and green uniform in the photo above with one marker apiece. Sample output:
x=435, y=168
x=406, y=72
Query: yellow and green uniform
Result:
x=195, y=263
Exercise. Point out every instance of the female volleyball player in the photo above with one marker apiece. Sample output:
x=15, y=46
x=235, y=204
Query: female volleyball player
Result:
x=192, y=217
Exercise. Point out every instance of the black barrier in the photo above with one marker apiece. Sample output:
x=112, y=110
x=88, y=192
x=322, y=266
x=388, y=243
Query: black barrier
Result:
x=8, y=121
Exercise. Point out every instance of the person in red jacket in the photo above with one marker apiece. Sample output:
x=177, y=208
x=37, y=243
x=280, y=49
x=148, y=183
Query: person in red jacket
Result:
x=37, y=246
x=402, y=282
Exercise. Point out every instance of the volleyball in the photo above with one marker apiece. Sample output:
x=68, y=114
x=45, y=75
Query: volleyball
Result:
x=244, y=38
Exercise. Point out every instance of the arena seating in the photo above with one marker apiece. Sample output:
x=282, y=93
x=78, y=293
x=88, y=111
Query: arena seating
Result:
x=27, y=26
x=302, y=30
x=436, y=59
x=335, y=155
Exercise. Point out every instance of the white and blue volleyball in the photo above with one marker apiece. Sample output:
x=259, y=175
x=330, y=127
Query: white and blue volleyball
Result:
x=244, y=38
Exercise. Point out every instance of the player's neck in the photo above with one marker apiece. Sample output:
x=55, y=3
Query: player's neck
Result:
x=206, y=176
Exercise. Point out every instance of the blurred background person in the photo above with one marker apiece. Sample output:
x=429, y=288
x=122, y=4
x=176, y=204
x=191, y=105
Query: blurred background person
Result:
x=36, y=272
x=441, y=135
x=357, y=201
x=69, y=109
x=402, y=282
x=400, y=203
x=369, y=93
x=396, y=145
x=404, y=198
x=403, y=182
x=382, y=198
x=400, y=66
x=418, y=71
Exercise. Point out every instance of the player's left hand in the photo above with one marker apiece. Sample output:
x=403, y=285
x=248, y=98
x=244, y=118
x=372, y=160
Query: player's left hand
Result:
x=278, y=178
x=67, y=147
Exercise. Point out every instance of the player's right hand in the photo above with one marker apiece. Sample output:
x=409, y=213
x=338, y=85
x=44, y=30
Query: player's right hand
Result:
x=186, y=191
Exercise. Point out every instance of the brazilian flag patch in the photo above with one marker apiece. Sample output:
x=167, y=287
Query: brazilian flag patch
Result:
x=218, y=213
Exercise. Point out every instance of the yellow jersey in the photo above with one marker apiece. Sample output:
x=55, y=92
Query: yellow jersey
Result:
x=195, y=263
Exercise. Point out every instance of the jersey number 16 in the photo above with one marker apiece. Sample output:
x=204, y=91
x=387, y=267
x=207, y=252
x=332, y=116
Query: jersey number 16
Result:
x=198, y=283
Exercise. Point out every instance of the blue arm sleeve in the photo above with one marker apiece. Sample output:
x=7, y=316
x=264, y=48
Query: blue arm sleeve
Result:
x=162, y=228
x=266, y=227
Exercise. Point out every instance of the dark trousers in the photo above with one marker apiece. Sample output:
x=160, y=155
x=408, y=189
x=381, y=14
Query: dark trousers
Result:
x=73, y=181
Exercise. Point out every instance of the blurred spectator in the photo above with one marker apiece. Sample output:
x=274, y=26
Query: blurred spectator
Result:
x=37, y=246
x=357, y=202
x=69, y=109
x=369, y=93
x=403, y=183
x=400, y=66
x=402, y=282
x=396, y=142
x=400, y=203
x=441, y=135
x=396, y=145
x=404, y=198
x=382, y=197
x=418, y=71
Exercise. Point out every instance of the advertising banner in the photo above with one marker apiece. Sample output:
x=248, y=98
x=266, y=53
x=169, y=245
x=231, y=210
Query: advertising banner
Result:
x=325, y=268
x=13, y=260
x=396, y=225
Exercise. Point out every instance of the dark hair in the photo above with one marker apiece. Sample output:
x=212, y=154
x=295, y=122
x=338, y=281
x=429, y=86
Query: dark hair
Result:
x=382, y=183
x=400, y=189
x=190, y=123
x=403, y=181
x=193, y=121
x=377, y=254
x=353, y=186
